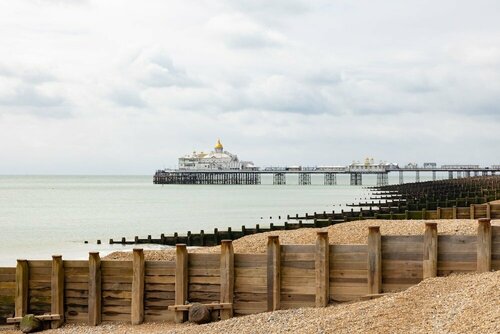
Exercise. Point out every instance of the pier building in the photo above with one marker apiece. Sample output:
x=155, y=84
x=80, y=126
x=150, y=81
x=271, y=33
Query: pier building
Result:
x=223, y=167
x=218, y=159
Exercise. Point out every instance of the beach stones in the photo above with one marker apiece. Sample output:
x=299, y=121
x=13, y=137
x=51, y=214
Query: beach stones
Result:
x=199, y=314
x=30, y=324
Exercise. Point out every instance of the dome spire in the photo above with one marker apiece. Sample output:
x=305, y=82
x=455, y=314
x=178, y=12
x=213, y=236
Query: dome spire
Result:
x=218, y=146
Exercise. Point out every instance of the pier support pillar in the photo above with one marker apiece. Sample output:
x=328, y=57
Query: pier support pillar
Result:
x=304, y=178
x=330, y=179
x=417, y=176
x=382, y=179
x=401, y=179
x=450, y=175
x=279, y=178
x=356, y=179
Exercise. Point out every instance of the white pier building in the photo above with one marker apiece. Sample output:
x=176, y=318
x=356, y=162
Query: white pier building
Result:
x=215, y=160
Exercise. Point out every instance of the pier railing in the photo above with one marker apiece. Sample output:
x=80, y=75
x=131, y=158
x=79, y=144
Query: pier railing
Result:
x=287, y=276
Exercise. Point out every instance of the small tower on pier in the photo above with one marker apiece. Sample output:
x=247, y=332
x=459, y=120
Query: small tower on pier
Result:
x=218, y=147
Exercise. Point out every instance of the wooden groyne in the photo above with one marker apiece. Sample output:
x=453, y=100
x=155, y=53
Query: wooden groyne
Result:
x=445, y=199
x=287, y=276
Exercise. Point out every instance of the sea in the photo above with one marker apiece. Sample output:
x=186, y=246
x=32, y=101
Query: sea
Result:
x=41, y=216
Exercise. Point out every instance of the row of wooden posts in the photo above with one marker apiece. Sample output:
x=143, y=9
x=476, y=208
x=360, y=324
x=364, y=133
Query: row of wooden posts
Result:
x=322, y=275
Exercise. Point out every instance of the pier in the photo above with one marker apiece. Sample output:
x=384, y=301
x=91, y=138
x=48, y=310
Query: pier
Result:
x=281, y=175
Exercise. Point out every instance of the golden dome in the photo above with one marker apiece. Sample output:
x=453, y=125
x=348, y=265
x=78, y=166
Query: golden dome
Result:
x=218, y=146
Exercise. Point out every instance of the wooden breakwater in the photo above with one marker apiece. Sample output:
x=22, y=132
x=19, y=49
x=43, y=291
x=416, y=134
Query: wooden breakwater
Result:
x=445, y=199
x=287, y=276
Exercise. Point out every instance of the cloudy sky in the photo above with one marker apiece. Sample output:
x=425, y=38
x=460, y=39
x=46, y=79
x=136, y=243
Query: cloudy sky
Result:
x=125, y=87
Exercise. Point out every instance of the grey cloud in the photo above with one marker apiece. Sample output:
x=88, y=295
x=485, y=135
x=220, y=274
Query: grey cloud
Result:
x=25, y=95
x=263, y=7
x=127, y=98
x=251, y=41
x=155, y=69
x=29, y=75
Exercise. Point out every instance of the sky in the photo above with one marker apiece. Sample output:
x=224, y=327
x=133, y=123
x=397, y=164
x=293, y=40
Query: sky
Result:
x=126, y=87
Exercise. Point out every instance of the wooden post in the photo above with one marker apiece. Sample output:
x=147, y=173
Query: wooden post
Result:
x=138, y=271
x=322, y=269
x=472, y=211
x=438, y=213
x=181, y=280
x=21, y=300
x=454, y=212
x=488, y=210
x=273, y=273
x=94, y=289
x=57, y=290
x=226, y=277
x=374, y=260
x=484, y=245
x=430, y=250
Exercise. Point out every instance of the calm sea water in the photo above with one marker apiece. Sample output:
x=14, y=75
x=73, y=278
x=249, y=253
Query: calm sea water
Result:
x=45, y=215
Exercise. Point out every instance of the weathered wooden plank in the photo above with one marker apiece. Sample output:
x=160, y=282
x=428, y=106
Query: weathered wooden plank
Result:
x=21, y=301
x=456, y=257
x=292, y=257
x=7, y=271
x=298, y=264
x=76, y=286
x=76, y=278
x=203, y=280
x=160, y=279
x=273, y=273
x=374, y=260
x=110, y=264
x=241, y=259
x=160, y=264
x=340, y=249
x=75, y=264
x=117, y=286
x=249, y=297
x=354, y=265
x=251, y=288
x=246, y=280
x=39, y=264
x=204, y=272
x=181, y=279
x=227, y=278
x=116, y=279
x=137, y=302
x=159, y=287
x=346, y=273
x=404, y=239
x=76, y=293
x=94, y=287
x=250, y=271
x=57, y=290
x=348, y=257
x=298, y=289
x=484, y=245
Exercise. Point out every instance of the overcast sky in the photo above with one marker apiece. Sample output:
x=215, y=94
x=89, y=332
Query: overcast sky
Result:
x=126, y=87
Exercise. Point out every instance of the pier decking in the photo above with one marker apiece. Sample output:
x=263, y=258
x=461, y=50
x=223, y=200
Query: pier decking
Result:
x=281, y=174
